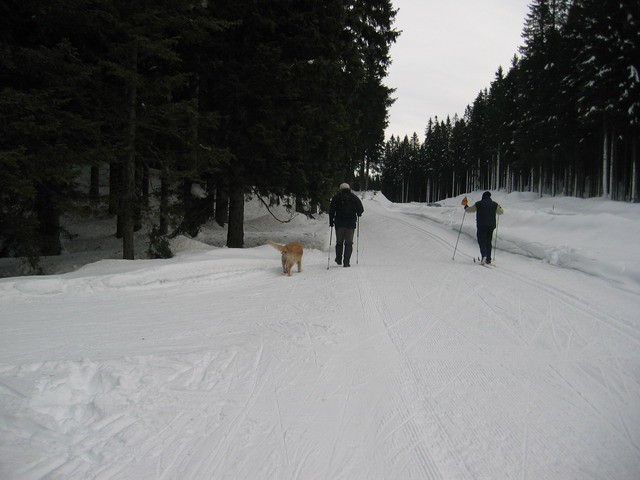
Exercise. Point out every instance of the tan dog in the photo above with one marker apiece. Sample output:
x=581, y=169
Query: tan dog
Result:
x=291, y=254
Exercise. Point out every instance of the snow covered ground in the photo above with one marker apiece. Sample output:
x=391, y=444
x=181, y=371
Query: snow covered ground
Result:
x=410, y=364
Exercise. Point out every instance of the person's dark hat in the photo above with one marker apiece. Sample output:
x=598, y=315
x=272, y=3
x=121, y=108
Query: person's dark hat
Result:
x=486, y=195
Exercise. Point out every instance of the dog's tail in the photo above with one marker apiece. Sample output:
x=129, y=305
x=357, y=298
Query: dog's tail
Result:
x=277, y=246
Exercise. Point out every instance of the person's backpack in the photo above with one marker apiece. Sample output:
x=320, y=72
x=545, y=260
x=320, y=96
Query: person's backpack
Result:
x=346, y=206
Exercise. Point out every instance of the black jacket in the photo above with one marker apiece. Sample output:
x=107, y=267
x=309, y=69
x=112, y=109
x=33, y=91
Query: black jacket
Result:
x=345, y=209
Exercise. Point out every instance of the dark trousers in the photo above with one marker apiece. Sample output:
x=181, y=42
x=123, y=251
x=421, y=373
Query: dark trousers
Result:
x=344, y=242
x=485, y=236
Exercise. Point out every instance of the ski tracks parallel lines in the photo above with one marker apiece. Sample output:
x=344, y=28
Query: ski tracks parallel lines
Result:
x=283, y=432
x=421, y=425
x=594, y=409
x=215, y=457
x=402, y=420
x=340, y=428
x=525, y=436
x=577, y=303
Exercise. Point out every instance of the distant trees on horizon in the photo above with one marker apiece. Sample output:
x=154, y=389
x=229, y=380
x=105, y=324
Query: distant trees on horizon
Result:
x=564, y=119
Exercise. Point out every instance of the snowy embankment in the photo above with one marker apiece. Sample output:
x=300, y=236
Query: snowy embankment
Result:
x=595, y=236
x=408, y=365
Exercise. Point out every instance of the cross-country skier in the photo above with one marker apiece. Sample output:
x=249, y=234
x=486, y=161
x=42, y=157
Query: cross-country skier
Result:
x=486, y=210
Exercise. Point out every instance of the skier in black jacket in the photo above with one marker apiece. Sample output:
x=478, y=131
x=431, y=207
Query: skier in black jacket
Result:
x=486, y=223
x=344, y=211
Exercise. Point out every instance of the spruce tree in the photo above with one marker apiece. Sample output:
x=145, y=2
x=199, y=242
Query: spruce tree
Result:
x=537, y=137
x=47, y=130
x=605, y=46
x=292, y=93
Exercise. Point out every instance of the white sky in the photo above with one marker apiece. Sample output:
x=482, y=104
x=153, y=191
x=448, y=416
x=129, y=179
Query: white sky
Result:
x=447, y=52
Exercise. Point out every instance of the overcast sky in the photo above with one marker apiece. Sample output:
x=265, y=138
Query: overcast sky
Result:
x=447, y=52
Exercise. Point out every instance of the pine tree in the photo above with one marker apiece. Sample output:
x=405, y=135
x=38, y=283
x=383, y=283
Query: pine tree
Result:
x=537, y=138
x=150, y=111
x=605, y=46
x=184, y=120
x=304, y=127
x=564, y=118
x=47, y=129
x=369, y=34
x=459, y=152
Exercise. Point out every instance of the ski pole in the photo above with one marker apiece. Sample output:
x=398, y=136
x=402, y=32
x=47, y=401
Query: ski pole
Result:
x=459, y=232
x=464, y=202
x=329, y=254
x=358, y=240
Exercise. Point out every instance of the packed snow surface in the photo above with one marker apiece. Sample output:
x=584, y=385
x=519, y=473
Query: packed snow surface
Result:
x=411, y=364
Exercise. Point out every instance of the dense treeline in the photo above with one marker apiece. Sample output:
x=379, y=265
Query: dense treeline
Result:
x=227, y=97
x=565, y=118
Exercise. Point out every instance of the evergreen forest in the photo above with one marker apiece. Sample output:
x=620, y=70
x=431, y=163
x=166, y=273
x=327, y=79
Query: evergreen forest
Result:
x=563, y=120
x=155, y=100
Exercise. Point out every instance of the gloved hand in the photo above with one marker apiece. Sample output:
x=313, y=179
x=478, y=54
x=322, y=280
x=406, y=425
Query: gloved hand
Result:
x=466, y=206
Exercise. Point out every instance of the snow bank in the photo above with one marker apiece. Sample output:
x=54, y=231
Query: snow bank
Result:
x=595, y=236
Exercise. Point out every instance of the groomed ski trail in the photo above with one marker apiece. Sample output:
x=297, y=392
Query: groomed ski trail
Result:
x=407, y=365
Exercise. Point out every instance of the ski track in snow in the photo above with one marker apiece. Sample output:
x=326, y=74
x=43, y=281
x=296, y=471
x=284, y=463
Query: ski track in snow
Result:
x=406, y=366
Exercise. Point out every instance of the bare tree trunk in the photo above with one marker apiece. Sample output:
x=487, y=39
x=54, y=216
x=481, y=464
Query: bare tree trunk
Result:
x=140, y=199
x=145, y=188
x=366, y=175
x=115, y=188
x=605, y=165
x=164, y=201
x=634, y=154
x=634, y=187
x=235, y=232
x=222, y=205
x=48, y=222
x=613, y=176
x=94, y=189
x=540, y=181
x=489, y=179
x=129, y=170
x=497, y=181
x=453, y=183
